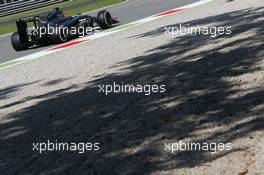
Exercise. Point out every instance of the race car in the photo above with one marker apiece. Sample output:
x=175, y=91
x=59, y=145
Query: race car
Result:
x=57, y=27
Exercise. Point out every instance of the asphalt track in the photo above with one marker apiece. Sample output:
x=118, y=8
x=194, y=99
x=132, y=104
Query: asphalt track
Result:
x=129, y=11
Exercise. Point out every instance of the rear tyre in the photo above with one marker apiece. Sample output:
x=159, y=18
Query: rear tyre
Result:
x=59, y=36
x=16, y=43
x=104, y=19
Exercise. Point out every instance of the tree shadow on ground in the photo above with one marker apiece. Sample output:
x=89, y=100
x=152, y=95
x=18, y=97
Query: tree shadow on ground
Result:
x=203, y=92
x=7, y=92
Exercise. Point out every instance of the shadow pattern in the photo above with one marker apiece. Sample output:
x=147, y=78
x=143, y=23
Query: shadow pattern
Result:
x=132, y=128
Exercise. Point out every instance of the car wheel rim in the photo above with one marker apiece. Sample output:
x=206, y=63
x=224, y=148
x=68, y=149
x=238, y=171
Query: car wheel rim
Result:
x=63, y=36
x=108, y=18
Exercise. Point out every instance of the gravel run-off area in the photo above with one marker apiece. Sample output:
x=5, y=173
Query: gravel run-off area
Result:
x=214, y=93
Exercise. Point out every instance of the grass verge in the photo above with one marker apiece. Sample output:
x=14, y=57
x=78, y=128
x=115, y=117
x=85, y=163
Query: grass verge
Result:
x=84, y=8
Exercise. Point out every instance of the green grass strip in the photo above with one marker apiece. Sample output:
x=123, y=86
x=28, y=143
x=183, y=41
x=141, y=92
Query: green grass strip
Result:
x=9, y=28
x=10, y=64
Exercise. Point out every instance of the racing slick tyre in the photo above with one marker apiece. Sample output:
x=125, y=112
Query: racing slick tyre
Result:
x=16, y=43
x=104, y=19
x=59, y=35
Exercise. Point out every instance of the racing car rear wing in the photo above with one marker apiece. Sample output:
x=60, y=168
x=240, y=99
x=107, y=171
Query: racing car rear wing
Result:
x=29, y=19
x=22, y=27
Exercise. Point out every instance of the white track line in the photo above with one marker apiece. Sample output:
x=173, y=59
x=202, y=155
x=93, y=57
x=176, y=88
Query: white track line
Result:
x=97, y=35
x=84, y=13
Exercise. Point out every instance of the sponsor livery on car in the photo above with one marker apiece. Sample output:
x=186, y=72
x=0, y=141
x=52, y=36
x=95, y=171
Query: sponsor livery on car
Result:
x=50, y=28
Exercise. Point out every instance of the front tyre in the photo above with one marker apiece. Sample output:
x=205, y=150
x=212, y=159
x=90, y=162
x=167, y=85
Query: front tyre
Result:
x=16, y=43
x=104, y=19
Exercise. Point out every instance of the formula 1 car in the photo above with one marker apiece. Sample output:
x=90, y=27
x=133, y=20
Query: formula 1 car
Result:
x=50, y=28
